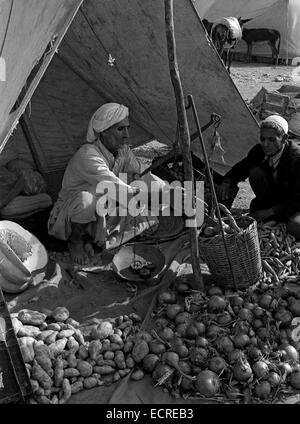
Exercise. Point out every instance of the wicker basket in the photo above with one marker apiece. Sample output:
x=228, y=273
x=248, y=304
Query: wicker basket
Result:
x=243, y=251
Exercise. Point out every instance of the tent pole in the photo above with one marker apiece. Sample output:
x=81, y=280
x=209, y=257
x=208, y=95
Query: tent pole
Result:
x=184, y=136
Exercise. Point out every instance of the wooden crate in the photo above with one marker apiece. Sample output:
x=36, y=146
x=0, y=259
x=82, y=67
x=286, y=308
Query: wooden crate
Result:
x=15, y=385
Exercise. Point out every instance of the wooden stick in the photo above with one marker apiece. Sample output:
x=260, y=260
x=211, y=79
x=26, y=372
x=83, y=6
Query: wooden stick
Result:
x=184, y=134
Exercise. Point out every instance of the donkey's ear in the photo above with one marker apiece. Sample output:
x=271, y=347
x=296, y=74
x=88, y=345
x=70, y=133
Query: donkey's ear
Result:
x=244, y=21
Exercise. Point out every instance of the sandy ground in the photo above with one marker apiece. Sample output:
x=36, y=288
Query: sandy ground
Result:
x=249, y=79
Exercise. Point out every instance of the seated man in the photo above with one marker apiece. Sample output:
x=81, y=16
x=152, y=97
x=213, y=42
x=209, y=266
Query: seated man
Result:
x=273, y=168
x=75, y=216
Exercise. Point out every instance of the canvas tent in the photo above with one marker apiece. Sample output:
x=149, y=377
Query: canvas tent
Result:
x=65, y=91
x=282, y=15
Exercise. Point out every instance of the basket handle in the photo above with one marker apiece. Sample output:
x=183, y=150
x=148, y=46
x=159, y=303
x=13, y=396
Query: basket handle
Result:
x=231, y=220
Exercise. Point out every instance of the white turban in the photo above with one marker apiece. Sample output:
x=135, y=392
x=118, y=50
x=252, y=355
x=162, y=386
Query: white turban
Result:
x=279, y=121
x=106, y=116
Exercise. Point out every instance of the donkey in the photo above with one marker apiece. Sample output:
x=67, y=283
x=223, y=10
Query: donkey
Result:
x=223, y=39
x=272, y=36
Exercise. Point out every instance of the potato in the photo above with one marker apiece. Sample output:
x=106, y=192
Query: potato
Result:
x=58, y=372
x=16, y=323
x=78, y=336
x=115, y=338
x=90, y=382
x=71, y=372
x=102, y=330
x=120, y=359
x=85, y=369
x=28, y=330
x=76, y=387
x=65, y=334
x=27, y=316
x=103, y=370
x=116, y=377
x=44, y=334
x=34, y=385
x=94, y=348
x=43, y=326
x=41, y=376
x=83, y=352
x=124, y=372
x=149, y=362
x=43, y=400
x=105, y=346
x=140, y=350
x=72, y=360
x=109, y=355
x=66, y=391
x=128, y=346
x=72, y=344
x=54, y=400
x=130, y=362
x=137, y=375
x=51, y=338
x=57, y=347
x=26, y=347
x=73, y=322
x=60, y=314
x=54, y=326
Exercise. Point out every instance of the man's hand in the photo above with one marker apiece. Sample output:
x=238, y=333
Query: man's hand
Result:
x=263, y=214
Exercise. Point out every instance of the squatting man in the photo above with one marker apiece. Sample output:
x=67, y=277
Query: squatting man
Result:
x=103, y=161
x=273, y=169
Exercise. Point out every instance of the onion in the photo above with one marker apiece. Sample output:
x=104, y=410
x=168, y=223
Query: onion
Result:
x=254, y=353
x=172, y=359
x=236, y=301
x=201, y=342
x=260, y=369
x=249, y=305
x=161, y=323
x=245, y=314
x=289, y=353
x=224, y=318
x=176, y=341
x=207, y=383
x=295, y=379
x=195, y=308
x=242, y=370
x=185, y=367
x=274, y=379
x=235, y=355
x=191, y=332
x=265, y=301
x=294, y=307
x=216, y=304
x=213, y=330
x=258, y=312
x=217, y=364
x=173, y=310
x=160, y=370
x=262, y=390
x=149, y=362
x=214, y=291
x=241, y=340
x=234, y=393
x=224, y=344
x=156, y=347
x=166, y=334
x=262, y=333
x=166, y=296
x=257, y=323
x=181, y=350
x=285, y=368
x=187, y=384
x=181, y=329
x=242, y=327
x=283, y=315
x=183, y=317
x=198, y=355
x=200, y=327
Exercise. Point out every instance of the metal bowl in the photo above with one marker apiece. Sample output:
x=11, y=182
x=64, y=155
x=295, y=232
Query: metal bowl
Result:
x=123, y=259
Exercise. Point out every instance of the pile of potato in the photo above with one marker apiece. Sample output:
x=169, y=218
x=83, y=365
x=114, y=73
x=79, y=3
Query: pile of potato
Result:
x=280, y=253
x=61, y=361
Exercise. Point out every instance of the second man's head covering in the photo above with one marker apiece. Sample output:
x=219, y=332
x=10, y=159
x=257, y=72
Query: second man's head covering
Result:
x=279, y=121
x=106, y=116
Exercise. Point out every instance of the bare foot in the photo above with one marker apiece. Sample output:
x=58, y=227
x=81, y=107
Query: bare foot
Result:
x=78, y=253
x=89, y=250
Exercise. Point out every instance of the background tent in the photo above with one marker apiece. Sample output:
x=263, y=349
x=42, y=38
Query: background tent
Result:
x=283, y=15
x=81, y=77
